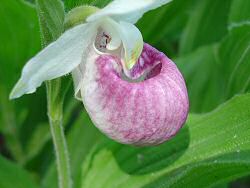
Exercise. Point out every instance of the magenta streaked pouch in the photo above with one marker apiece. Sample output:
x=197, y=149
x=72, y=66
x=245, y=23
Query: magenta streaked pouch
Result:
x=147, y=111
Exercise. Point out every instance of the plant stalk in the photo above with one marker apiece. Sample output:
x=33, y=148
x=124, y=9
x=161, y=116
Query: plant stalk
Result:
x=55, y=114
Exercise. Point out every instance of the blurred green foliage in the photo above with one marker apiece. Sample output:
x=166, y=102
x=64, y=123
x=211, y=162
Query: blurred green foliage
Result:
x=196, y=157
x=210, y=43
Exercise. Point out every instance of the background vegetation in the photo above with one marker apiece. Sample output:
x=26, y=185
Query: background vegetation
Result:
x=210, y=42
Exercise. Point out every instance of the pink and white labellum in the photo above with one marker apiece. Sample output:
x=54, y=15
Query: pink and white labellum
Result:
x=132, y=92
x=146, y=109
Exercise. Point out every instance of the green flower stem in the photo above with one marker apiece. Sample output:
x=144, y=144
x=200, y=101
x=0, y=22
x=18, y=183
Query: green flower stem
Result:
x=55, y=98
x=51, y=19
x=62, y=158
x=55, y=91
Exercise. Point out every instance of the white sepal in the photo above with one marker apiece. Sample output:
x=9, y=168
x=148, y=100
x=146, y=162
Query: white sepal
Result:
x=131, y=38
x=127, y=10
x=57, y=59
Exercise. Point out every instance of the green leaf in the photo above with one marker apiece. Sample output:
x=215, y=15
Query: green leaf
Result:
x=221, y=135
x=166, y=25
x=234, y=58
x=207, y=24
x=29, y=1
x=203, y=77
x=207, y=173
x=13, y=176
x=20, y=40
x=18, y=34
x=41, y=135
x=166, y=21
x=221, y=186
x=239, y=14
x=51, y=17
x=70, y=4
x=217, y=72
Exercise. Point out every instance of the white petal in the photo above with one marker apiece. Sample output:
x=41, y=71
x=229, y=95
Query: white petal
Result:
x=80, y=72
x=109, y=26
x=132, y=43
x=131, y=39
x=57, y=59
x=77, y=75
x=122, y=32
x=127, y=10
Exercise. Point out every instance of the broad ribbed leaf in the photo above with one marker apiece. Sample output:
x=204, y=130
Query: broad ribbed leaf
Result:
x=13, y=176
x=51, y=17
x=234, y=59
x=162, y=27
x=19, y=36
x=239, y=14
x=166, y=21
x=207, y=24
x=203, y=77
x=207, y=173
x=214, y=142
x=216, y=73
x=69, y=4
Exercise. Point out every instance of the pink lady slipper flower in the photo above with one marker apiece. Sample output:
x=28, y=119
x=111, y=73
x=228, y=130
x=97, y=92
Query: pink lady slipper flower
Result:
x=132, y=92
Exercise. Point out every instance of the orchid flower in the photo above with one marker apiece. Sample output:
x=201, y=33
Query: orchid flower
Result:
x=132, y=92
